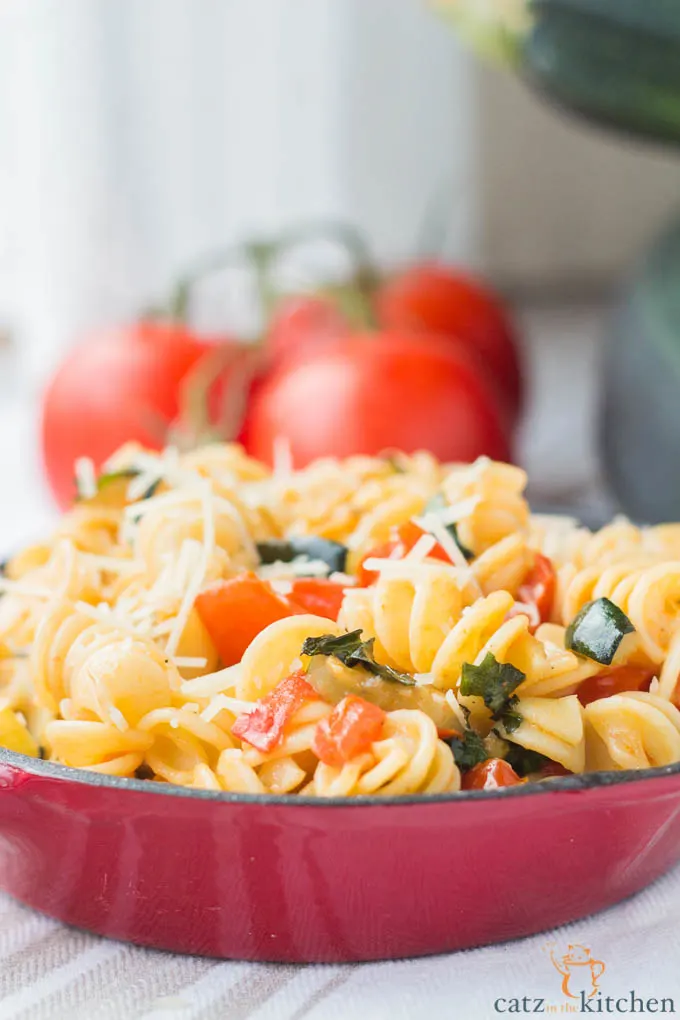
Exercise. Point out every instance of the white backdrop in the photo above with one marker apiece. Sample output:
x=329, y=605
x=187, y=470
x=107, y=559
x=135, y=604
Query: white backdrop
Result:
x=136, y=135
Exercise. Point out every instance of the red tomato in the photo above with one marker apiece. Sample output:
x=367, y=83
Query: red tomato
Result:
x=402, y=539
x=536, y=593
x=302, y=323
x=318, y=595
x=265, y=726
x=614, y=681
x=490, y=775
x=349, y=730
x=442, y=300
x=234, y=612
x=365, y=394
x=122, y=384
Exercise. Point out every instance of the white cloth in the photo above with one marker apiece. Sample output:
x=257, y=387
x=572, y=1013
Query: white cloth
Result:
x=48, y=971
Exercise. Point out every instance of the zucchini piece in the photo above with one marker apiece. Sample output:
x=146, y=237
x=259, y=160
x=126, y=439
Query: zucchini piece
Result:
x=607, y=68
x=109, y=477
x=284, y=550
x=655, y=19
x=598, y=630
x=616, y=62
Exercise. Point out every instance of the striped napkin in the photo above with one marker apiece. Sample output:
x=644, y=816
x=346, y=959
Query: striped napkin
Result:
x=48, y=971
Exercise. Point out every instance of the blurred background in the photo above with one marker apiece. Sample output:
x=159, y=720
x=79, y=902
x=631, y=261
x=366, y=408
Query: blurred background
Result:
x=137, y=138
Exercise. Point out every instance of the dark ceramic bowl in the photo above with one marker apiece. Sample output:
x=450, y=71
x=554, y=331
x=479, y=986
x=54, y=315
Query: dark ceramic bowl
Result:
x=298, y=879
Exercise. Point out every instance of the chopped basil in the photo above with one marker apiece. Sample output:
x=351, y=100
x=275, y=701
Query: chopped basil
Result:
x=511, y=719
x=352, y=650
x=438, y=502
x=597, y=631
x=284, y=550
x=524, y=761
x=494, y=682
x=468, y=750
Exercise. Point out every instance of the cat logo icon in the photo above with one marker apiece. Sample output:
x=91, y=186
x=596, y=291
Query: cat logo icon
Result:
x=580, y=972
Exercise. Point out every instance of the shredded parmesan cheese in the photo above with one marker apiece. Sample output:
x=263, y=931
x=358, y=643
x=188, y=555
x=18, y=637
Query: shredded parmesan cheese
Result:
x=450, y=699
x=421, y=549
x=283, y=458
x=433, y=523
x=23, y=588
x=220, y=701
x=212, y=683
x=86, y=477
x=189, y=661
x=118, y=719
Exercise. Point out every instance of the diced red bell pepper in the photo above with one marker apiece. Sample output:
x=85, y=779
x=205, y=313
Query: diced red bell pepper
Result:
x=614, y=681
x=490, y=775
x=237, y=610
x=349, y=730
x=536, y=593
x=265, y=726
x=318, y=595
x=402, y=539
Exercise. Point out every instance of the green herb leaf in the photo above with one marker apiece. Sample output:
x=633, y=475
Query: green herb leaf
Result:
x=468, y=750
x=597, y=631
x=341, y=646
x=438, y=502
x=364, y=657
x=352, y=650
x=284, y=550
x=511, y=719
x=524, y=761
x=495, y=683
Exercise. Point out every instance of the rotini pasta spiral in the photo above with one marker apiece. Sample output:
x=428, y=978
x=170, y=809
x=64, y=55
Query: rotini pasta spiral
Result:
x=97, y=746
x=552, y=727
x=409, y=618
x=182, y=741
x=359, y=499
x=635, y=730
x=498, y=507
x=102, y=672
x=168, y=523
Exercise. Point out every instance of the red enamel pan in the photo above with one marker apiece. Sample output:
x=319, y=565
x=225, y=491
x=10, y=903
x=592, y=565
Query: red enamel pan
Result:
x=299, y=880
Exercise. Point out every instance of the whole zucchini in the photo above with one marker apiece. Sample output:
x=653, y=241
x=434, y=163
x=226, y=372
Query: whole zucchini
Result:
x=640, y=415
x=615, y=61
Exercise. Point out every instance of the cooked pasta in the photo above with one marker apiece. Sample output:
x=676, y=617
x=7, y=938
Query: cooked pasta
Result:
x=380, y=626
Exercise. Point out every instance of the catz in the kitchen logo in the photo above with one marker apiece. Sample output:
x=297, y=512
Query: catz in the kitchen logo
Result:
x=580, y=971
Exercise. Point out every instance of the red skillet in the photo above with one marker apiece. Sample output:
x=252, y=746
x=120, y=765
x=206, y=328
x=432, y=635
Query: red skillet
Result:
x=297, y=879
